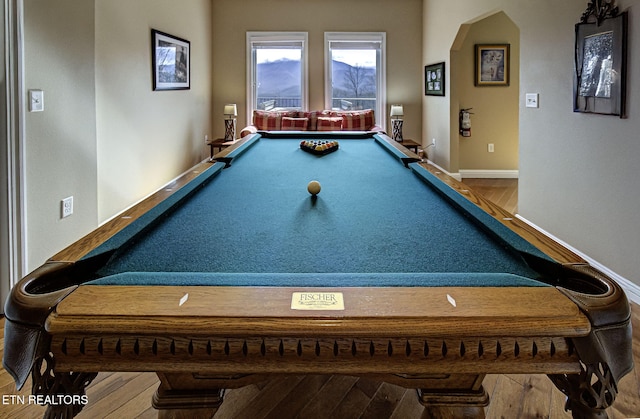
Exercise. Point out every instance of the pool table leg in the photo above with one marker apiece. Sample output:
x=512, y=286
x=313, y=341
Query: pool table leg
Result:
x=589, y=393
x=454, y=395
x=183, y=395
x=47, y=383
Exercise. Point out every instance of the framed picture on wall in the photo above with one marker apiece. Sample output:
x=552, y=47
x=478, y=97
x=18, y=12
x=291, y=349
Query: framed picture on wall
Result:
x=492, y=65
x=599, y=82
x=434, y=79
x=170, y=61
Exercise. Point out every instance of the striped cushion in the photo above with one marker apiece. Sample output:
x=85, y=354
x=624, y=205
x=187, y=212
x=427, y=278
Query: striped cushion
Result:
x=269, y=120
x=313, y=118
x=329, y=123
x=294, y=124
x=357, y=120
x=349, y=120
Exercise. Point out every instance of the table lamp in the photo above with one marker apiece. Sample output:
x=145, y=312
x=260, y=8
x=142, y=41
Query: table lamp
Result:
x=396, y=122
x=230, y=113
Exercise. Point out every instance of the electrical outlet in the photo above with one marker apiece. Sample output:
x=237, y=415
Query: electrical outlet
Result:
x=490, y=148
x=66, y=207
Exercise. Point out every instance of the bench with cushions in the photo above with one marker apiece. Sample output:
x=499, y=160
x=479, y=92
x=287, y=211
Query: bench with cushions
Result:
x=325, y=120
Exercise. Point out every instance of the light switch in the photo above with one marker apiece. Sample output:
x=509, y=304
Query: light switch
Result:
x=36, y=100
x=531, y=100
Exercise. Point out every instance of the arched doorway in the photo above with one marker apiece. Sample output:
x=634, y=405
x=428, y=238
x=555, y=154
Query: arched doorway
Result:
x=492, y=148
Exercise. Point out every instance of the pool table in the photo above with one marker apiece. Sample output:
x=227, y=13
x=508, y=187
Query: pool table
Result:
x=234, y=273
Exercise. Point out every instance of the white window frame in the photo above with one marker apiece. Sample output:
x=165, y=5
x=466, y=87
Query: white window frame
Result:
x=283, y=38
x=381, y=79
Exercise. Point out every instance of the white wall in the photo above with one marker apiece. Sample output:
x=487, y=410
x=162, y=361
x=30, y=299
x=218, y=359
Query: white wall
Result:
x=59, y=143
x=145, y=137
x=577, y=177
x=105, y=137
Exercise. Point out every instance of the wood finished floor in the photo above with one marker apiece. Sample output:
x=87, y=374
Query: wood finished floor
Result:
x=128, y=395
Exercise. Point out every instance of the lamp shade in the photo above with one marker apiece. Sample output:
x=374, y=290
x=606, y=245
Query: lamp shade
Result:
x=231, y=110
x=396, y=110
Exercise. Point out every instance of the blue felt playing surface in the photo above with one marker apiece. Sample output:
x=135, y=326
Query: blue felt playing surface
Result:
x=373, y=215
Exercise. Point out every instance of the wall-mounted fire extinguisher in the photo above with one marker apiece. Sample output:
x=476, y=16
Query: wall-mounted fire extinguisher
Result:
x=465, y=122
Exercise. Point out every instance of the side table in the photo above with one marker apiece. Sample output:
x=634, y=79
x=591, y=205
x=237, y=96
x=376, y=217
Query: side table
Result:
x=410, y=144
x=218, y=143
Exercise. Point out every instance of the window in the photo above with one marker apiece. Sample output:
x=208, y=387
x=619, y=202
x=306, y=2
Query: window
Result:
x=277, y=71
x=355, y=72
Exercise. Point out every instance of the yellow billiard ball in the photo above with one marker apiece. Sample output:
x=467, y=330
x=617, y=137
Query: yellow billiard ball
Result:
x=314, y=187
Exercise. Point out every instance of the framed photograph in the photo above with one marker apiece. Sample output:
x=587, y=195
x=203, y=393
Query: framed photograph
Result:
x=170, y=61
x=434, y=79
x=492, y=65
x=599, y=82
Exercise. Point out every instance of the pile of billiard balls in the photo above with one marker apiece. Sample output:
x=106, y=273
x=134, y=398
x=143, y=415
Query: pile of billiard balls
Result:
x=320, y=147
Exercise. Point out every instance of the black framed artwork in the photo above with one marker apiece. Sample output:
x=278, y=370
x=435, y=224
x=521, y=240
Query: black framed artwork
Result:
x=171, y=61
x=599, y=82
x=434, y=80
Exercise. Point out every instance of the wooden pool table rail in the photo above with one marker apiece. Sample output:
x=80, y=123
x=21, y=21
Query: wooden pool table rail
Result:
x=393, y=311
x=550, y=247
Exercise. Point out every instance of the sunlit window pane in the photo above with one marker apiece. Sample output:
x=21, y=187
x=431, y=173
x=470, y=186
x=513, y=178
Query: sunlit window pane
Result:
x=355, y=72
x=353, y=79
x=278, y=78
x=276, y=71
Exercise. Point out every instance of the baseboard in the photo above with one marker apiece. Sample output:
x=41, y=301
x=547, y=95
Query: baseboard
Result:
x=631, y=289
x=456, y=176
x=480, y=174
x=489, y=174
